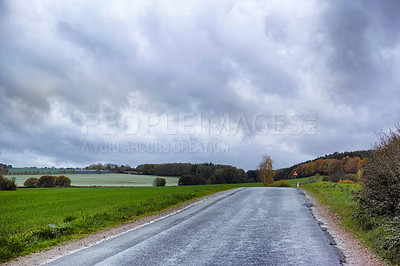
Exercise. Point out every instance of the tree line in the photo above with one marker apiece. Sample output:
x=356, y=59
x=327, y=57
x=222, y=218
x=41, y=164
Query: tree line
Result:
x=344, y=162
x=208, y=173
x=200, y=174
x=190, y=174
x=112, y=167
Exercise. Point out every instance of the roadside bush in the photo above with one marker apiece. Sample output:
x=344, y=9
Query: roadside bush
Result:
x=7, y=183
x=47, y=181
x=379, y=201
x=381, y=177
x=63, y=181
x=190, y=180
x=31, y=182
x=159, y=182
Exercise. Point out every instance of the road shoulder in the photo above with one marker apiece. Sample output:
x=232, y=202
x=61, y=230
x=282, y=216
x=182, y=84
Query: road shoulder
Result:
x=353, y=249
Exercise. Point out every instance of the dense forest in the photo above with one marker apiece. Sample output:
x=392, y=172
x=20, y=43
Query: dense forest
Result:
x=343, y=162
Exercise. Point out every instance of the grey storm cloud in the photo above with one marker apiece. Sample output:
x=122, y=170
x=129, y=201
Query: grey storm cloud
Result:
x=330, y=65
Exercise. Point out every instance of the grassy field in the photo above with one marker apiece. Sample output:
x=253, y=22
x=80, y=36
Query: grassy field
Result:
x=34, y=219
x=338, y=197
x=303, y=180
x=378, y=233
x=105, y=179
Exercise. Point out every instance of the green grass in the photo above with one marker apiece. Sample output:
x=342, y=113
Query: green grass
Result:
x=104, y=179
x=339, y=199
x=35, y=219
x=303, y=180
x=378, y=233
x=280, y=183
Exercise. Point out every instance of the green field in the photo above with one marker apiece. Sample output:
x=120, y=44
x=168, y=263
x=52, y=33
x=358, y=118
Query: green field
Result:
x=34, y=219
x=105, y=179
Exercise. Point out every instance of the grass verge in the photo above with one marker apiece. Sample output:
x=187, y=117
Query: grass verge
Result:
x=378, y=233
x=35, y=219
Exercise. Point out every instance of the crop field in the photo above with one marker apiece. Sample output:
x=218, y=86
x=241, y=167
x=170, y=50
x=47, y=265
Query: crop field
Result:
x=35, y=219
x=105, y=179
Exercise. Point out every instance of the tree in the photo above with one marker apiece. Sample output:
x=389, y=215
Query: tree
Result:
x=3, y=168
x=63, y=181
x=252, y=175
x=47, y=181
x=205, y=171
x=189, y=180
x=351, y=166
x=31, y=182
x=266, y=172
x=159, y=182
x=7, y=184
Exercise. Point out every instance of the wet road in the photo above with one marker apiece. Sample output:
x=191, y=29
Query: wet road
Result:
x=250, y=226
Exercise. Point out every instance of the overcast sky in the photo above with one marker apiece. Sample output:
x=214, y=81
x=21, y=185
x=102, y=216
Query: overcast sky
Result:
x=133, y=82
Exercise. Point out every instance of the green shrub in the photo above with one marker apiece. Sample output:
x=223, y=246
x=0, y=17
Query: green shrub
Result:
x=159, y=182
x=31, y=182
x=190, y=180
x=379, y=201
x=7, y=184
x=280, y=183
x=47, y=181
x=381, y=177
x=325, y=178
x=63, y=181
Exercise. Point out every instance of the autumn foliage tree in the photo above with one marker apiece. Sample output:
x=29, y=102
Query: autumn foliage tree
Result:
x=266, y=171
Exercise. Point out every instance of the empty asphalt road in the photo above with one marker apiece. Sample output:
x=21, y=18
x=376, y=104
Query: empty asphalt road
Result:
x=248, y=226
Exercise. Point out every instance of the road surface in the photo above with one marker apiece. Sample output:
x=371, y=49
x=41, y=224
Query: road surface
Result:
x=246, y=226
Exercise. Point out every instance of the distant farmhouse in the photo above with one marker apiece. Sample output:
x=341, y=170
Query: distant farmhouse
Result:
x=97, y=171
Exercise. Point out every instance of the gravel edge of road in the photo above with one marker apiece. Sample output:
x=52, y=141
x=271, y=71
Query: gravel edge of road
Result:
x=353, y=249
x=41, y=257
